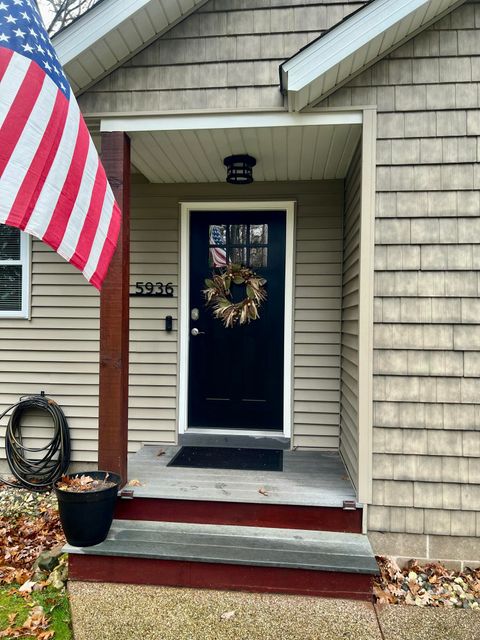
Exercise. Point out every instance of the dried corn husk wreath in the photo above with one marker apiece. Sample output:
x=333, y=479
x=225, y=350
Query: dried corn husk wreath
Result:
x=218, y=295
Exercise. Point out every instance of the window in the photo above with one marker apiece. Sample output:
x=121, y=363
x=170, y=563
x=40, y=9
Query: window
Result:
x=245, y=244
x=14, y=273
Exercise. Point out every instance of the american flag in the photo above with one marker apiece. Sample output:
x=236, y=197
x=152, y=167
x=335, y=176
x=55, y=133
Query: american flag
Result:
x=219, y=255
x=52, y=184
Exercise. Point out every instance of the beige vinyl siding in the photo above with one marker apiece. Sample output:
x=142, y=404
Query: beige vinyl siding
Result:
x=55, y=351
x=426, y=428
x=153, y=375
x=350, y=307
x=154, y=257
x=224, y=56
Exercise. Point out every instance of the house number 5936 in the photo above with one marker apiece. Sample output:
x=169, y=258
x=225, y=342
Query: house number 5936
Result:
x=153, y=289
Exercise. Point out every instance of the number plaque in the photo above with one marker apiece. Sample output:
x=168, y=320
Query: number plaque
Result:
x=153, y=289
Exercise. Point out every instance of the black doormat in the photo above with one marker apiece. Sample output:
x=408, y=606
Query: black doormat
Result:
x=226, y=458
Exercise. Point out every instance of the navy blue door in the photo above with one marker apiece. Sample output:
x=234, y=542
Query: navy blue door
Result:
x=236, y=374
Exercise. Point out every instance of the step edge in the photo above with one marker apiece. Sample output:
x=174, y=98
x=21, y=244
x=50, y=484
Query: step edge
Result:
x=86, y=552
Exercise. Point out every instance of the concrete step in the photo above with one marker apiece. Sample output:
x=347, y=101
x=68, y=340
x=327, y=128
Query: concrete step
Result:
x=230, y=557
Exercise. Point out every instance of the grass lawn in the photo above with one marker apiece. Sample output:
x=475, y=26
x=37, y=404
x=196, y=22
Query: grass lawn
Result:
x=55, y=606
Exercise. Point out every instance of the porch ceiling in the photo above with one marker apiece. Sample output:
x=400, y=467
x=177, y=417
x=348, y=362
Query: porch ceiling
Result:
x=312, y=148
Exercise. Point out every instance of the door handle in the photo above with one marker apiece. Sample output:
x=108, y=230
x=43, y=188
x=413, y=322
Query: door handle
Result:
x=196, y=332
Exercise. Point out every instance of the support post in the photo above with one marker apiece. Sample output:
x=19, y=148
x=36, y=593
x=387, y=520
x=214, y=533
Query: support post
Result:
x=114, y=318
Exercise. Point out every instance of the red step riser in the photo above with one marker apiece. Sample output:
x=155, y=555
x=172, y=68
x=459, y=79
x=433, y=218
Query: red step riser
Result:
x=242, y=514
x=202, y=575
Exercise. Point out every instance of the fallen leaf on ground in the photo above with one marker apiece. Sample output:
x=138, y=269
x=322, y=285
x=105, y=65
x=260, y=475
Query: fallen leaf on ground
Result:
x=27, y=587
x=161, y=452
x=263, y=491
x=135, y=483
x=428, y=585
x=228, y=615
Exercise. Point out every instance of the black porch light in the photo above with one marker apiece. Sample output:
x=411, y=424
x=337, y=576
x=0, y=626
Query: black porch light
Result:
x=240, y=169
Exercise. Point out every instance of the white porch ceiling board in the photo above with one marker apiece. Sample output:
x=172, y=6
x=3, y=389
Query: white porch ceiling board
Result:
x=307, y=76
x=351, y=142
x=126, y=25
x=265, y=141
x=282, y=153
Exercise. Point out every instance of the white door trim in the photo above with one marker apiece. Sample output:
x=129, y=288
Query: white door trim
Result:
x=184, y=293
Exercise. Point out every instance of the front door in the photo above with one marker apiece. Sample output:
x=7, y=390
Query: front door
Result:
x=236, y=373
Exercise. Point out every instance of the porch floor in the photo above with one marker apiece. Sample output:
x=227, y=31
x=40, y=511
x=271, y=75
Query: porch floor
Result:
x=310, y=478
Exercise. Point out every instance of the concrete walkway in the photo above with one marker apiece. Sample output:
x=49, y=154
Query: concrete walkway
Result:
x=126, y=612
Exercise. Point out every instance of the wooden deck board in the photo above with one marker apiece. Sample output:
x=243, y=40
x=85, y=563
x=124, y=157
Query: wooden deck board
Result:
x=310, y=478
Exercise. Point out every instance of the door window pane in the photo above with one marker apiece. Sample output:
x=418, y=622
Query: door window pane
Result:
x=259, y=234
x=258, y=257
x=238, y=234
x=218, y=234
x=217, y=257
x=238, y=255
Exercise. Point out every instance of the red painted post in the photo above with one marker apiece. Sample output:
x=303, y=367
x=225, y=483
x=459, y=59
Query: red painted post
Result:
x=114, y=318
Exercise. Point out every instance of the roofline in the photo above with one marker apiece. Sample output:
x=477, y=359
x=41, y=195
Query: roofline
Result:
x=307, y=46
x=339, y=44
x=102, y=18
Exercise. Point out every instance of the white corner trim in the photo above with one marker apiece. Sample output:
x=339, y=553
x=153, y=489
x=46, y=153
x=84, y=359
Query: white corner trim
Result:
x=365, y=321
x=229, y=120
x=105, y=17
x=347, y=38
x=184, y=293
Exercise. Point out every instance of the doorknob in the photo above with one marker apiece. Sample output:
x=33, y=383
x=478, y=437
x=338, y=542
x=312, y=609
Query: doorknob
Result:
x=196, y=332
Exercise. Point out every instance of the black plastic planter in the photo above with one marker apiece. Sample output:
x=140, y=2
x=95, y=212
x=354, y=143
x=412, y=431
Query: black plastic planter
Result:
x=86, y=517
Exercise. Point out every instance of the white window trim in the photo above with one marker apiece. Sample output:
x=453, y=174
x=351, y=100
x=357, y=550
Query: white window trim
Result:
x=198, y=207
x=25, y=261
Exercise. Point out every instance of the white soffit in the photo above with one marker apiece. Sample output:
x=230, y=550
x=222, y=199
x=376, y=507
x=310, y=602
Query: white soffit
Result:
x=354, y=44
x=112, y=32
x=191, y=149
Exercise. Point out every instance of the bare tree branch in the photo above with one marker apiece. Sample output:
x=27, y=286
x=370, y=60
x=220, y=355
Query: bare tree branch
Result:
x=64, y=11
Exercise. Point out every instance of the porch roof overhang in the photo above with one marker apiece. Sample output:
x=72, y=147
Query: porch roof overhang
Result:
x=111, y=32
x=191, y=148
x=355, y=44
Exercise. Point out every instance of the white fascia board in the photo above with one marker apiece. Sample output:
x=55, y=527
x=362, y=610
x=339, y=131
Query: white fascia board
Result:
x=102, y=19
x=345, y=39
x=228, y=121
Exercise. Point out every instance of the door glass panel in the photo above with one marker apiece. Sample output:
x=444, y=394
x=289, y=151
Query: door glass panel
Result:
x=218, y=234
x=238, y=234
x=259, y=234
x=258, y=257
x=217, y=257
x=238, y=255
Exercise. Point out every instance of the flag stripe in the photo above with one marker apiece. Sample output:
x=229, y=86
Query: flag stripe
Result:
x=11, y=83
x=5, y=57
x=100, y=235
x=20, y=112
x=84, y=245
x=63, y=209
x=108, y=247
x=57, y=172
x=19, y=163
x=32, y=184
x=79, y=212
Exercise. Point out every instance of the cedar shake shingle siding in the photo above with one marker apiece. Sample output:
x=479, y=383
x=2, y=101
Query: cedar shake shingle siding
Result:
x=225, y=55
x=427, y=266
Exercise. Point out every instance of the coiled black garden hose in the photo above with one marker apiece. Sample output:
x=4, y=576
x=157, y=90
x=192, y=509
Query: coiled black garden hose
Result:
x=36, y=474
